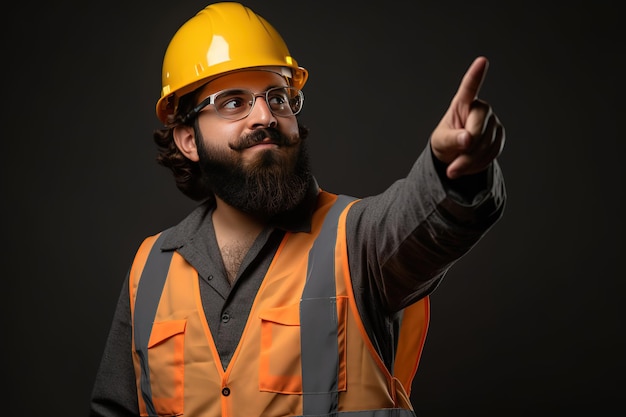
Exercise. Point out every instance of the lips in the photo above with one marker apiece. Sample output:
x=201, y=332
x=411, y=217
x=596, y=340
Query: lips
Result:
x=265, y=141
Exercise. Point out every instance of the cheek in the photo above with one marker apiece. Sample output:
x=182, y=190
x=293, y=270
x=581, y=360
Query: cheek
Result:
x=219, y=135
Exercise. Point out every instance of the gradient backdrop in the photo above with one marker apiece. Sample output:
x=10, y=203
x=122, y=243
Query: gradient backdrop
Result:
x=531, y=322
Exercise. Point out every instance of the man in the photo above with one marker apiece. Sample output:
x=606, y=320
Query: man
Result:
x=275, y=297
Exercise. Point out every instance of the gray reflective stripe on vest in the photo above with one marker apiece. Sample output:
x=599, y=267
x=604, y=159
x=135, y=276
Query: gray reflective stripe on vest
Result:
x=149, y=289
x=319, y=327
x=318, y=320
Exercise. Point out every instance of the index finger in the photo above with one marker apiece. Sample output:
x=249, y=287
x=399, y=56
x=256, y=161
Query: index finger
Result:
x=472, y=81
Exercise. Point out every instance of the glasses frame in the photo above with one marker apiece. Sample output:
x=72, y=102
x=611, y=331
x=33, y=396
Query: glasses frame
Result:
x=265, y=94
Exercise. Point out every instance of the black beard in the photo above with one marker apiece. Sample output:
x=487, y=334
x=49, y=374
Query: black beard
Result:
x=265, y=188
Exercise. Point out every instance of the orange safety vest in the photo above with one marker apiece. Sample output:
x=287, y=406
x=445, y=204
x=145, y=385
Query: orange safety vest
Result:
x=304, y=350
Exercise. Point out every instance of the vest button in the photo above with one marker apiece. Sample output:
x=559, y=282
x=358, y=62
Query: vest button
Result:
x=225, y=391
x=225, y=317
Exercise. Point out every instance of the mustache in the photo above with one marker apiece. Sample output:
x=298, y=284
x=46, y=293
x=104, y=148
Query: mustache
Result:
x=274, y=136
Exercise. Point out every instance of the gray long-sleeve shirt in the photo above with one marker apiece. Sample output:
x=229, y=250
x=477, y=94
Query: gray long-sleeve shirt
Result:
x=400, y=244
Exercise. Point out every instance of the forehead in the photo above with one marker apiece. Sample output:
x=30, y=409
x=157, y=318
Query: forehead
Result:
x=254, y=80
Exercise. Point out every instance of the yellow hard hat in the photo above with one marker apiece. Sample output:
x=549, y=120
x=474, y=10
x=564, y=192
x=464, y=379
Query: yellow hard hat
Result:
x=220, y=38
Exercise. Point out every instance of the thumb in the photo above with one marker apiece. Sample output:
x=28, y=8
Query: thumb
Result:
x=447, y=143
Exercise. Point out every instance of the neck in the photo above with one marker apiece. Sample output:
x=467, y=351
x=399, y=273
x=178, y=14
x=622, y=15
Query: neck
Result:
x=235, y=232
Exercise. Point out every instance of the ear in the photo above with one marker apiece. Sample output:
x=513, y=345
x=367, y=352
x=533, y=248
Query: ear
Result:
x=186, y=142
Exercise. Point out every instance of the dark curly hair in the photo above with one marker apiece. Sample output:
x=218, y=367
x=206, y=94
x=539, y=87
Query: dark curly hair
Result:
x=188, y=176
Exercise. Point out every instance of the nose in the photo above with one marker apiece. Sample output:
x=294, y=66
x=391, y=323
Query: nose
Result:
x=261, y=115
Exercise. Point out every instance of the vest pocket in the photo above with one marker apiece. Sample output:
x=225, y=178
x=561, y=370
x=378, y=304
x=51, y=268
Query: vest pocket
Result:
x=279, y=362
x=166, y=362
x=280, y=367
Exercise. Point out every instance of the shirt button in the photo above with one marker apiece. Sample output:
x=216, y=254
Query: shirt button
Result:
x=225, y=391
x=225, y=317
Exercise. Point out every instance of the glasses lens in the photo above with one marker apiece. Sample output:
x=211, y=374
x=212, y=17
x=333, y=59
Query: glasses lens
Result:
x=234, y=104
x=284, y=101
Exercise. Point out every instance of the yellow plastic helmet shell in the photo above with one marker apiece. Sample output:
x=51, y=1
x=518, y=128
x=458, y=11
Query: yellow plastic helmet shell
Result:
x=221, y=38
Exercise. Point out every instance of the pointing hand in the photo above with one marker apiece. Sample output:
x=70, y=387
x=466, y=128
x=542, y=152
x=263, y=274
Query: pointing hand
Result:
x=469, y=136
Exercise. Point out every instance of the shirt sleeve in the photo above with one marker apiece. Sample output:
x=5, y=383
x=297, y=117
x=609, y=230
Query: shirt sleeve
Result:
x=403, y=241
x=115, y=391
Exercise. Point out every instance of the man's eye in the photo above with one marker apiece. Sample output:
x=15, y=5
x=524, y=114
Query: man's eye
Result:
x=233, y=103
x=278, y=99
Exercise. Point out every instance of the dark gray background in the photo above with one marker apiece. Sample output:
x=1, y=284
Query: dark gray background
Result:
x=530, y=322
